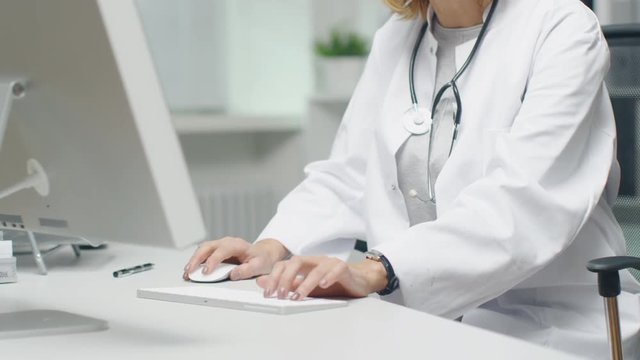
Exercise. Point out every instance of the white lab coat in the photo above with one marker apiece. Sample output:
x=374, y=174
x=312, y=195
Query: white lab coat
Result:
x=523, y=201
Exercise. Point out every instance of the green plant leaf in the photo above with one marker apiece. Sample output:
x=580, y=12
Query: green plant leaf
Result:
x=342, y=44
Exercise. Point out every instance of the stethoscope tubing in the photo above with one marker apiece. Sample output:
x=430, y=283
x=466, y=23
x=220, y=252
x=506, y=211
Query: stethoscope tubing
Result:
x=412, y=64
x=451, y=84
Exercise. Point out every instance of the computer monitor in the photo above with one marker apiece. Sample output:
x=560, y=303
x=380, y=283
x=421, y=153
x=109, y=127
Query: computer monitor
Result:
x=86, y=106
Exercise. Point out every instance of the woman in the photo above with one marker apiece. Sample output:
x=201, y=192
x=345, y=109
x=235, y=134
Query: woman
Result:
x=487, y=210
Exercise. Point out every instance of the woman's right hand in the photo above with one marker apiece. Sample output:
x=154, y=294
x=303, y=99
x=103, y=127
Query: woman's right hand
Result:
x=254, y=259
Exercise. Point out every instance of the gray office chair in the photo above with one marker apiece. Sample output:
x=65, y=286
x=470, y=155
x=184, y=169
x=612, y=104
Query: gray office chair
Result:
x=623, y=82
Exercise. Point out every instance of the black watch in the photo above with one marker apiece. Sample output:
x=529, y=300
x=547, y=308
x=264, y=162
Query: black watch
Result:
x=392, y=280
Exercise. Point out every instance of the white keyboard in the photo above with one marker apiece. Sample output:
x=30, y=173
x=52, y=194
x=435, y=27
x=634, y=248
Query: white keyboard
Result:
x=218, y=296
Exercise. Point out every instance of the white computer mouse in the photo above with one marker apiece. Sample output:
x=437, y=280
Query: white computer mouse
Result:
x=220, y=273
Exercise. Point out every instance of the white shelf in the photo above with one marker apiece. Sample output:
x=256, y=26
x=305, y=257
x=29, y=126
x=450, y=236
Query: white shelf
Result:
x=188, y=124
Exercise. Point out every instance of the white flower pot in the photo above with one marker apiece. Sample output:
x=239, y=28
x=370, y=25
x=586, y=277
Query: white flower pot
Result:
x=338, y=76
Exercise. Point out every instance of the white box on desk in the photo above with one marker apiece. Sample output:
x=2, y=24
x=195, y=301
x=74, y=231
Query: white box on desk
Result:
x=8, y=271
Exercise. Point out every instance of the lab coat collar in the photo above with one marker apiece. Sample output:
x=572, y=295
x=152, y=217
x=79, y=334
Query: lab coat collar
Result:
x=398, y=101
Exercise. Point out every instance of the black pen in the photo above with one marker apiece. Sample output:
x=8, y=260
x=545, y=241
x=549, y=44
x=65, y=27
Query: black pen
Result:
x=132, y=270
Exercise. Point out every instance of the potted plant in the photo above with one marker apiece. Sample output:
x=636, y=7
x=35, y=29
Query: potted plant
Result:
x=339, y=63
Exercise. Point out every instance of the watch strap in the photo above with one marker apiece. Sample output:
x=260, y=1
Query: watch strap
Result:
x=392, y=280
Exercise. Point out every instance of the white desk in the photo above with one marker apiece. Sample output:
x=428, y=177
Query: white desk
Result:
x=146, y=329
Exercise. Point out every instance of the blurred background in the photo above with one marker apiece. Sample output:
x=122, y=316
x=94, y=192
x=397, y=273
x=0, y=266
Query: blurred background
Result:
x=254, y=93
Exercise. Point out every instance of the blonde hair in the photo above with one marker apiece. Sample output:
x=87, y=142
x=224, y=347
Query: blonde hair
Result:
x=417, y=8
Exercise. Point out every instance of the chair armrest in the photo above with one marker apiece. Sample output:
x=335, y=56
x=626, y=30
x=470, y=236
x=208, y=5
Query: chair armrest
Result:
x=607, y=269
x=613, y=263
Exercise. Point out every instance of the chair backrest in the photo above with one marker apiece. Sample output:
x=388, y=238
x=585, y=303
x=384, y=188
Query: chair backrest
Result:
x=623, y=82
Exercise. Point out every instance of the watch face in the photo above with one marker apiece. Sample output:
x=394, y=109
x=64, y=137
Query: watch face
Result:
x=373, y=255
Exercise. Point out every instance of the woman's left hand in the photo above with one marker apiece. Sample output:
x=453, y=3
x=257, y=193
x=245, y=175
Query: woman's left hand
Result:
x=322, y=276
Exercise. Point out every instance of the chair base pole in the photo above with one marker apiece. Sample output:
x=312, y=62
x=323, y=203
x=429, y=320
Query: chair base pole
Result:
x=613, y=326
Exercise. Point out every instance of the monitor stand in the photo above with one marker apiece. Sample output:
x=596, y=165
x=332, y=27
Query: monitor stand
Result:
x=36, y=175
x=21, y=324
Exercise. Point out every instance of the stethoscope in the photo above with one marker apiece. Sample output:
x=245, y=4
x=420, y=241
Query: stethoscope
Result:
x=421, y=122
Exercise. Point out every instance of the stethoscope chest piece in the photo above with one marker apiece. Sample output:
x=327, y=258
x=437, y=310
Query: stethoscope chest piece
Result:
x=417, y=121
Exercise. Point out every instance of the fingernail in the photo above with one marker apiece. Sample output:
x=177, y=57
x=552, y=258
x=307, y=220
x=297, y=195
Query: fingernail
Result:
x=205, y=270
x=323, y=283
x=267, y=293
x=235, y=275
x=282, y=294
x=295, y=296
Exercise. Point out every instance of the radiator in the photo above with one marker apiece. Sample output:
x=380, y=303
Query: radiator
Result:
x=241, y=212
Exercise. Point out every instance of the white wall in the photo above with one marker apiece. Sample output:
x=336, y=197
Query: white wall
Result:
x=268, y=38
x=187, y=40
x=250, y=57
x=269, y=56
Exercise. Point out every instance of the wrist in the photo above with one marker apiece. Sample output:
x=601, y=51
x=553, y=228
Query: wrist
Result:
x=374, y=274
x=274, y=249
x=392, y=281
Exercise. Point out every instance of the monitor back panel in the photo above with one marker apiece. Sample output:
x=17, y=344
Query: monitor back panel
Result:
x=95, y=118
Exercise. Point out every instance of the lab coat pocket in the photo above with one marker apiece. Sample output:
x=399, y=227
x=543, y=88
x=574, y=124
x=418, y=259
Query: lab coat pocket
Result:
x=490, y=138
